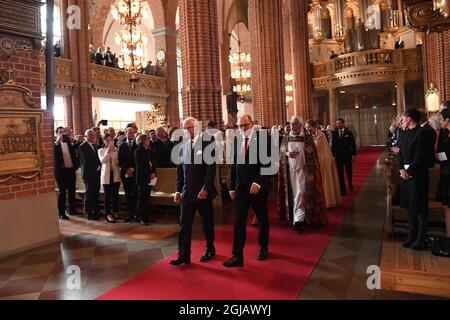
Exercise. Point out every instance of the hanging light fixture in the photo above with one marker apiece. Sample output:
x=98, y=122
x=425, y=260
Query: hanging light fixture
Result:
x=240, y=75
x=131, y=40
x=289, y=88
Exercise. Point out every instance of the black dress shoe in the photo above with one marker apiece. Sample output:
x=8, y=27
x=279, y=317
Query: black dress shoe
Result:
x=64, y=217
x=92, y=217
x=298, y=226
x=208, y=255
x=110, y=219
x=75, y=213
x=234, y=262
x=263, y=254
x=180, y=260
x=408, y=243
x=419, y=244
x=130, y=219
x=144, y=223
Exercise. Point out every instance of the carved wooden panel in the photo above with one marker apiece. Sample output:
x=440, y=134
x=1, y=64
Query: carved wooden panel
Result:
x=423, y=18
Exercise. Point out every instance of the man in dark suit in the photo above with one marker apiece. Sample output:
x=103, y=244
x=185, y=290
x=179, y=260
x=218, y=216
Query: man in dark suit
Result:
x=195, y=185
x=66, y=163
x=90, y=173
x=127, y=170
x=414, y=160
x=430, y=136
x=344, y=151
x=162, y=149
x=248, y=188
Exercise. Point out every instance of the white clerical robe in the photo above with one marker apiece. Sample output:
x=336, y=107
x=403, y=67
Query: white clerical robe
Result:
x=297, y=177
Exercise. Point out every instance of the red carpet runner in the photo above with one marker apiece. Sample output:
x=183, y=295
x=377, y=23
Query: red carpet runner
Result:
x=291, y=260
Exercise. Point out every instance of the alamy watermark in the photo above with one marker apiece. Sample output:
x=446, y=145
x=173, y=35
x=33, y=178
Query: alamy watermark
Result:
x=262, y=148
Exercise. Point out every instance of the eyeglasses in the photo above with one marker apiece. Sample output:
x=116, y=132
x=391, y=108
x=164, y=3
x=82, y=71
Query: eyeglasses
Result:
x=244, y=125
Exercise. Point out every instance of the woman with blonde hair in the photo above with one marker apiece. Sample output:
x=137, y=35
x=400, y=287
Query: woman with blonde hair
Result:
x=110, y=176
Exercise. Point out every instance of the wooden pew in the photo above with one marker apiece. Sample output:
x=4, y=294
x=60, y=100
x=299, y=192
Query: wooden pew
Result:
x=396, y=217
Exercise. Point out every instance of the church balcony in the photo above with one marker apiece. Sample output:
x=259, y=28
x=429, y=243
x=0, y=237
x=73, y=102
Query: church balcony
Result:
x=108, y=82
x=369, y=66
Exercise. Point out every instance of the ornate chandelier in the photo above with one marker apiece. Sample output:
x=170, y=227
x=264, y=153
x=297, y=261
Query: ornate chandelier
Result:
x=240, y=74
x=130, y=12
x=132, y=41
x=289, y=87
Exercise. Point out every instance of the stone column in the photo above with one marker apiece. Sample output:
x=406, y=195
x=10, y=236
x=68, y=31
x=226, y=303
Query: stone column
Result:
x=199, y=38
x=81, y=71
x=266, y=47
x=332, y=106
x=300, y=58
x=400, y=96
x=166, y=39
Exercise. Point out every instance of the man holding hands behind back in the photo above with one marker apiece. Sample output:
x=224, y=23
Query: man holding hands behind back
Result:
x=196, y=191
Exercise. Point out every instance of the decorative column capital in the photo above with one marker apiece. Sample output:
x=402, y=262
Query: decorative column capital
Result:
x=164, y=31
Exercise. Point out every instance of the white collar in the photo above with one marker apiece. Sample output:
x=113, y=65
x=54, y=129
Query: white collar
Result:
x=248, y=134
x=195, y=140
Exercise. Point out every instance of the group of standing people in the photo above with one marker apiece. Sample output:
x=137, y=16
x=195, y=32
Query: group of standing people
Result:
x=307, y=183
x=419, y=147
x=108, y=161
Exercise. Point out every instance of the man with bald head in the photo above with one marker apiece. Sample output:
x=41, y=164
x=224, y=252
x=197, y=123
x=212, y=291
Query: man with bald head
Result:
x=248, y=188
x=90, y=173
x=196, y=191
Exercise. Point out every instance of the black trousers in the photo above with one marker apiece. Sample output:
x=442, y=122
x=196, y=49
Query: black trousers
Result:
x=129, y=185
x=347, y=164
x=188, y=209
x=92, y=193
x=143, y=197
x=111, y=194
x=416, y=194
x=242, y=203
x=66, y=182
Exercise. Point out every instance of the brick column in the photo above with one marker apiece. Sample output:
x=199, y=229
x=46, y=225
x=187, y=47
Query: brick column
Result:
x=199, y=38
x=436, y=62
x=266, y=47
x=300, y=58
x=166, y=39
x=81, y=71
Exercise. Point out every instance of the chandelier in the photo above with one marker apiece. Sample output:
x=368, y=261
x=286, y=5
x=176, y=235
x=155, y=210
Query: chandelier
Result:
x=130, y=12
x=132, y=41
x=289, y=87
x=240, y=74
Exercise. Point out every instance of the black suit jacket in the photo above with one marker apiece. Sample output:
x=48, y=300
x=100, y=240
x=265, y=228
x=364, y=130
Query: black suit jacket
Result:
x=343, y=147
x=144, y=166
x=59, y=159
x=430, y=138
x=162, y=153
x=193, y=177
x=248, y=173
x=126, y=156
x=89, y=162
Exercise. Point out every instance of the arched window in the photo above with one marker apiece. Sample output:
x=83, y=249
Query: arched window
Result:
x=57, y=27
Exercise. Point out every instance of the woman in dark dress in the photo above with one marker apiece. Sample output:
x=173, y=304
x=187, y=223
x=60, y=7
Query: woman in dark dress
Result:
x=443, y=192
x=145, y=172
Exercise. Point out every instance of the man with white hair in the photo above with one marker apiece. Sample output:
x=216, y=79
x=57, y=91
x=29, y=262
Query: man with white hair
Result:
x=196, y=191
x=90, y=173
x=301, y=195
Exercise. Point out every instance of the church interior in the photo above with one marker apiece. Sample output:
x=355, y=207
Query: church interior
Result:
x=102, y=65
